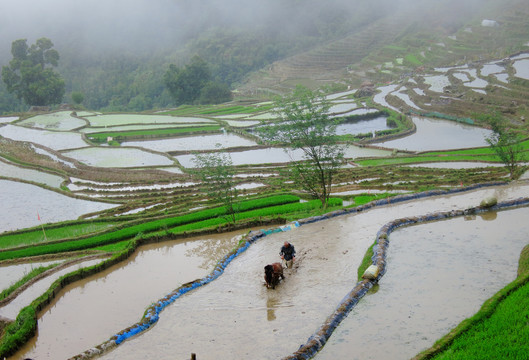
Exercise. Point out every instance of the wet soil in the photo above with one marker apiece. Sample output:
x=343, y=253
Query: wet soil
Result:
x=237, y=317
x=438, y=274
x=90, y=311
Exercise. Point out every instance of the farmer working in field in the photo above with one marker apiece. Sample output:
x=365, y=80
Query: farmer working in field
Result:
x=288, y=254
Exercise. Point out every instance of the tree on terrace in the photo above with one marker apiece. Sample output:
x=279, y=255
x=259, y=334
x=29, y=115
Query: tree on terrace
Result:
x=304, y=123
x=30, y=74
x=505, y=143
x=216, y=173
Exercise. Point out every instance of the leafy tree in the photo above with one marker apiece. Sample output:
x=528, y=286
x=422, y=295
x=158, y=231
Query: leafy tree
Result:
x=30, y=74
x=217, y=175
x=215, y=93
x=185, y=84
x=505, y=143
x=304, y=123
x=77, y=97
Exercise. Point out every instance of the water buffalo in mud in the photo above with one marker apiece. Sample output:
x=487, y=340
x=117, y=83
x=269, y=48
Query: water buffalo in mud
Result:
x=273, y=274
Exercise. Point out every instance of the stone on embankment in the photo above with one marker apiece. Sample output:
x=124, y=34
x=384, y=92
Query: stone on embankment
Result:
x=488, y=202
x=371, y=272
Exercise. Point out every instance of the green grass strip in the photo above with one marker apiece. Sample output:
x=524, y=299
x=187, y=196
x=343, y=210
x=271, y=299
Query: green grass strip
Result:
x=503, y=335
x=19, y=332
x=145, y=228
x=56, y=233
x=124, y=135
x=295, y=208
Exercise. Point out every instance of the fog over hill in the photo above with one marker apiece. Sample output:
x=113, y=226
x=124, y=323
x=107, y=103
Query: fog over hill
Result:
x=138, y=25
x=116, y=52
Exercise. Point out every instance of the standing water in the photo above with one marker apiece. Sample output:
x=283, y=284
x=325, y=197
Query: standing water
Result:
x=437, y=275
x=235, y=316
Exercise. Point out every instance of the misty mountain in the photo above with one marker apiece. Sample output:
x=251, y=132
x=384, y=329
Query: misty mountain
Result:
x=116, y=52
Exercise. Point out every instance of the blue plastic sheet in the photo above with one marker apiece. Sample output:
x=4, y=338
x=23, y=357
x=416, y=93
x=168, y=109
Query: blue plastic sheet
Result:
x=152, y=314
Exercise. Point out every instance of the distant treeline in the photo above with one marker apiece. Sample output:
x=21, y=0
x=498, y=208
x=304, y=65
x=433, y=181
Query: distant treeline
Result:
x=133, y=80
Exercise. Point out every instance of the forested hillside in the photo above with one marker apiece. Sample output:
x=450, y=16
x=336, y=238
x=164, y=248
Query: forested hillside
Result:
x=117, y=56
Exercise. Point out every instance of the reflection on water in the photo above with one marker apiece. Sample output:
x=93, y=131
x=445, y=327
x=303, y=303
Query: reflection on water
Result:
x=30, y=175
x=522, y=68
x=214, y=321
x=362, y=127
x=112, y=300
x=25, y=298
x=437, y=275
x=117, y=157
x=52, y=139
x=434, y=134
x=278, y=155
x=21, y=202
x=189, y=143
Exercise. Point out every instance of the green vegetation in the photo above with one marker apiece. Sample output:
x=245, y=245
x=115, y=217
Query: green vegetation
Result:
x=121, y=136
x=66, y=231
x=29, y=76
x=145, y=228
x=304, y=123
x=192, y=84
x=498, y=331
x=216, y=172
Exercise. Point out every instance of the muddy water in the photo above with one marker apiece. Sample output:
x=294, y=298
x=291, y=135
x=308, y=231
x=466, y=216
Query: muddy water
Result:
x=237, y=317
x=438, y=274
x=21, y=202
x=12, y=273
x=89, y=312
x=25, y=298
x=440, y=135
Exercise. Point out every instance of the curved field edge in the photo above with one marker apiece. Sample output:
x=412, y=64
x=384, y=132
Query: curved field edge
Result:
x=145, y=227
x=17, y=333
x=491, y=324
x=151, y=315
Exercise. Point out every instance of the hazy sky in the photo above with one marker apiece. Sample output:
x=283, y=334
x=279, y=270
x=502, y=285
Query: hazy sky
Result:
x=115, y=24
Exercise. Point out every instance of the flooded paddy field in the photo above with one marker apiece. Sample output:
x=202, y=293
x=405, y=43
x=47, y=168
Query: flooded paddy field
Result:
x=21, y=173
x=193, y=143
x=23, y=204
x=118, y=157
x=62, y=120
x=362, y=126
x=434, y=134
x=438, y=274
x=11, y=273
x=279, y=155
x=127, y=119
x=119, y=128
x=52, y=139
x=105, y=303
x=213, y=321
x=25, y=298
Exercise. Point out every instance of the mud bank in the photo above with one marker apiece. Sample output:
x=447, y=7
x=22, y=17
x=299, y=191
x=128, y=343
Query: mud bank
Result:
x=214, y=321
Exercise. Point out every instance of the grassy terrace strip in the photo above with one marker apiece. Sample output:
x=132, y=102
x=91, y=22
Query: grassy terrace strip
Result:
x=55, y=233
x=145, y=228
x=498, y=331
x=154, y=133
x=258, y=213
x=483, y=154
